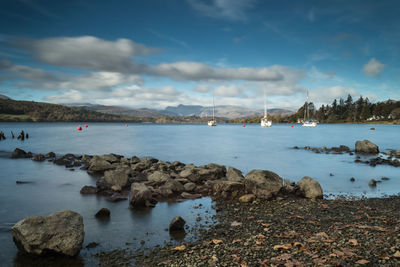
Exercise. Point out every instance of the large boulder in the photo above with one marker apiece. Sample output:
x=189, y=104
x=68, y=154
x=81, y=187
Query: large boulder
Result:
x=98, y=164
x=234, y=175
x=310, y=188
x=366, y=147
x=263, y=184
x=141, y=196
x=118, y=177
x=60, y=232
x=112, y=158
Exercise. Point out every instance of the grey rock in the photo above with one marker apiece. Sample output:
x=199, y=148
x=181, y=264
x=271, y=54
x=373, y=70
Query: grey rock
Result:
x=234, y=175
x=158, y=177
x=263, y=184
x=38, y=157
x=118, y=177
x=87, y=189
x=141, y=196
x=98, y=164
x=60, y=232
x=372, y=183
x=310, y=188
x=189, y=186
x=19, y=153
x=366, y=147
x=186, y=195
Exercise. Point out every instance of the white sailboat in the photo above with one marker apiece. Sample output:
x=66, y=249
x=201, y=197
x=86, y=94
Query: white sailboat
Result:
x=213, y=122
x=307, y=121
x=264, y=121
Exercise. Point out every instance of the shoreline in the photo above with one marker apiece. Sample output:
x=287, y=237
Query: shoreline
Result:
x=284, y=228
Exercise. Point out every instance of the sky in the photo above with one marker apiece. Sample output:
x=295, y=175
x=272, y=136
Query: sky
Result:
x=159, y=53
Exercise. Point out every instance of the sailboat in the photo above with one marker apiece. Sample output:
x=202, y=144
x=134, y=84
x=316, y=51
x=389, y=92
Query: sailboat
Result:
x=307, y=122
x=264, y=121
x=213, y=122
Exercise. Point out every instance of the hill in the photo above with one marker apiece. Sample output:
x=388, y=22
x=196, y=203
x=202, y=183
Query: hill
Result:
x=4, y=97
x=12, y=110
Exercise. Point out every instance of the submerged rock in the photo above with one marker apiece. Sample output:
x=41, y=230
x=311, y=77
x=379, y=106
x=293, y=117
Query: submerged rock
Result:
x=366, y=147
x=60, y=232
x=177, y=224
x=19, y=154
x=372, y=183
x=310, y=188
x=103, y=213
x=87, y=189
x=38, y=157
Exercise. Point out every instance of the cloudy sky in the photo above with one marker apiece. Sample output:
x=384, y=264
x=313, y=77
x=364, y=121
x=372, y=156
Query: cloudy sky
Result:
x=158, y=53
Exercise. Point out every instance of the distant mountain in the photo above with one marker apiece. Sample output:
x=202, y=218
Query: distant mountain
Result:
x=226, y=111
x=149, y=113
x=4, y=97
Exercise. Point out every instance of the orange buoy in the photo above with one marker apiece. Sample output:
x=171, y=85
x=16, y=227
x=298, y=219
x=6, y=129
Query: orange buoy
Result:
x=86, y=125
x=79, y=128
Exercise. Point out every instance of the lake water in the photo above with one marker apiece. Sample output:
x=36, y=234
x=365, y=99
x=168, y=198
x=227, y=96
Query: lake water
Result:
x=246, y=148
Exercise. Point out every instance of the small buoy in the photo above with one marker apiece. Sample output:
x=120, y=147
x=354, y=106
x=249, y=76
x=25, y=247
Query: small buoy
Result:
x=244, y=125
x=291, y=126
x=86, y=125
x=79, y=128
x=126, y=125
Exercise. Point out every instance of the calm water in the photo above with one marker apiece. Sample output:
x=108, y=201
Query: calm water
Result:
x=245, y=148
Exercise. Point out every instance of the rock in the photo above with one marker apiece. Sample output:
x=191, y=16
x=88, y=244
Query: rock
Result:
x=92, y=245
x=310, y=188
x=116, y=188
x=118, y=177
x=366, y=147
x=177, y=224
x=174, y=186
x=115, y=197
x=50, y=155
x=372, y=183
x=288, y=187
x=186, y=195
x=98, y=164
x=103, y=213
x=87, y=189
x=234, y=175
x=372, y=128
x=352, y=179
x=227, y=189
x=189, y=186
x=263, y=184
x=247, y=198
x=63, y=161
x=19, y=154
x=112, y=158
x=60, y=232
x=141, y=196
x=385, y=179
x=158, y=177
x=38, y=157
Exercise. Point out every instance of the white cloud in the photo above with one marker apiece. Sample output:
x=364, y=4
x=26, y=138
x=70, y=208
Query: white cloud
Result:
x=317, y=75
x=328, y=94
x=373, y=67
x=186, y=70
x=202, y=88
x=230, y=90
x=234, y=10
x=88, y=52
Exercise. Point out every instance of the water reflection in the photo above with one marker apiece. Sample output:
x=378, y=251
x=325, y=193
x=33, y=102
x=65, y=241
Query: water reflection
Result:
x=23, y=260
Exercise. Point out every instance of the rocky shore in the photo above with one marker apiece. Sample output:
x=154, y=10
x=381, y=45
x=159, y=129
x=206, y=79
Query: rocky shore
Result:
x=262, y=219
x=285, y=232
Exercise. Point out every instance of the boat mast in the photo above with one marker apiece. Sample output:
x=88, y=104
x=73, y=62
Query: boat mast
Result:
x=306, y=109
x=265, y=105
x=213, y=108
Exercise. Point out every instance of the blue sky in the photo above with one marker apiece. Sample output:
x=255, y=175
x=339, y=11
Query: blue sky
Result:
x=158, y=53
